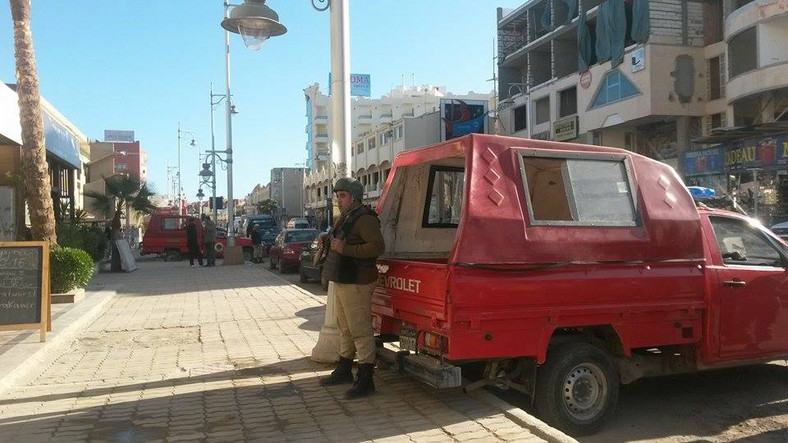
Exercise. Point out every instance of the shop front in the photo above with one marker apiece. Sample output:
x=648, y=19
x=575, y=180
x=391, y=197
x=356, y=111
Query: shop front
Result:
x=751, y=171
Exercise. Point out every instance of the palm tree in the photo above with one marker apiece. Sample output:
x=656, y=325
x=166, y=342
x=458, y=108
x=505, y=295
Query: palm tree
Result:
x=122, y=192
x=37, y=188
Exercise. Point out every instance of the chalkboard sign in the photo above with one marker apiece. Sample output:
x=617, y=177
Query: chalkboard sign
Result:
x=24, y=286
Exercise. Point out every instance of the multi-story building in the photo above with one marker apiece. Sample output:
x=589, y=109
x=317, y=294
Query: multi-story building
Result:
x=656, y=77
x=287, y=188
x=259, y=194
x=109, y=158
x=368, y=117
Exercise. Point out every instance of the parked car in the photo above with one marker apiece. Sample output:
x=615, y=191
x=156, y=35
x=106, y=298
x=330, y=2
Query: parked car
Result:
x=306, y=270
x=781, y=229
x=267, y=237
x=166, y=236
x=298, y=223
x=286, y=251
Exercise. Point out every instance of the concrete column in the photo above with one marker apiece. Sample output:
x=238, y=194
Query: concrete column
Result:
x=327, y=347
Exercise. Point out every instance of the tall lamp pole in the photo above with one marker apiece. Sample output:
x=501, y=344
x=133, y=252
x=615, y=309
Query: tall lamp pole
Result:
x=256, y=22
x=180, y=189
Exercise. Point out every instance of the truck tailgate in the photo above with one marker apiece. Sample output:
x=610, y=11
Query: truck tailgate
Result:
x=411, y=291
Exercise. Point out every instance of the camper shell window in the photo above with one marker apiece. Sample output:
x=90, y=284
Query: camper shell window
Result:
x=578, y=189
x=445, y=193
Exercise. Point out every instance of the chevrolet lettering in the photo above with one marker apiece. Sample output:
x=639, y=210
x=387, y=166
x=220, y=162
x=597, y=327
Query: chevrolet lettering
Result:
x=400, y=283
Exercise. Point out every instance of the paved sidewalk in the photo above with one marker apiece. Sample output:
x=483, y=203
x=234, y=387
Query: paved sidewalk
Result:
x=221, y=354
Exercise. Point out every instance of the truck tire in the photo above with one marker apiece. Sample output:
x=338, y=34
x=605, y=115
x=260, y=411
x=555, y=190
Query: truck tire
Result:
x=576, y=388
x=248, y=254
x=173, y=255
x=301, y=276
x=271, y=263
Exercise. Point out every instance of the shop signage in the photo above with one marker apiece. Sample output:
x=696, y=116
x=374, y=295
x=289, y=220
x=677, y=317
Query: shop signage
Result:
x=565, y=129
x=60, y=141
x=544, y=135
x=757, y=153
x=704, y=162
x=112, y=135
x=585, y=79
x=360, y=85
x=639, y=59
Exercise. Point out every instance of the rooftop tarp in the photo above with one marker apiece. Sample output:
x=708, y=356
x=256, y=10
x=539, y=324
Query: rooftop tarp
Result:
x=611, y=29
x=641, y=26
x=585, y=47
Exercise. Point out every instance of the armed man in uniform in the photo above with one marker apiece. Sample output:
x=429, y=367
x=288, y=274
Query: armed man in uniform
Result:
x=355, y=244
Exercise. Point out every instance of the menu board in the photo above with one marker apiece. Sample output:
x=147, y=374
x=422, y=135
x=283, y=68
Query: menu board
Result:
x=24, y=286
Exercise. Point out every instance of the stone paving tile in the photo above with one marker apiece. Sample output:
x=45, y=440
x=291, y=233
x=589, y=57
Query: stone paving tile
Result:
x=182, y=354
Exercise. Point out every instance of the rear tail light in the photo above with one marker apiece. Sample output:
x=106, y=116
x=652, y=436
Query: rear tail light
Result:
x=435, y=341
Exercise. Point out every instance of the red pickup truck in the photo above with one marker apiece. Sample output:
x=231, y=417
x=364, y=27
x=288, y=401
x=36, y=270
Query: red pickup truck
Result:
x=563, y=270
x=166, y=236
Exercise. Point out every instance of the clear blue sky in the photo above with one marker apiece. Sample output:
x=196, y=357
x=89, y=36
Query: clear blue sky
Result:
x=145, y=65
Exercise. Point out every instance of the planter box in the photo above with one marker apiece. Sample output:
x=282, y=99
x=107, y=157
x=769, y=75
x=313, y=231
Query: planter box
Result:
x=73, y=296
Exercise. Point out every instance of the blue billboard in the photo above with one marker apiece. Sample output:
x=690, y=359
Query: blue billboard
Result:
x=360, y=85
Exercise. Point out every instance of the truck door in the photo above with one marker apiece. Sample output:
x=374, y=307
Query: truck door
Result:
x=753, y=289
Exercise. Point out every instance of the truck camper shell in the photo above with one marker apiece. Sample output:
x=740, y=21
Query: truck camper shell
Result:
x=517, y=184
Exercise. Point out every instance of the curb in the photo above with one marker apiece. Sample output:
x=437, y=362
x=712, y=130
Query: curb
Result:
x=522, y=418
x=65, y=327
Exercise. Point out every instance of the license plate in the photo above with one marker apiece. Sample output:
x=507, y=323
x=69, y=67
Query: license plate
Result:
x=407, y=339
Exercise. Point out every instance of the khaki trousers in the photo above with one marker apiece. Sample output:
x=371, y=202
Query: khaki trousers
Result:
x=354, y=318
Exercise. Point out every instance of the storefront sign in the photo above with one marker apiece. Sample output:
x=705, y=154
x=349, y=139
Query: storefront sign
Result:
x=638, y=59
x=565, y=129
x=757, y=153
x=703, y=162
x=462, y=117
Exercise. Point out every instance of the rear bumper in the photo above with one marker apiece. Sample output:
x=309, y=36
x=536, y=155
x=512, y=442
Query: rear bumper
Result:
x=427, y=369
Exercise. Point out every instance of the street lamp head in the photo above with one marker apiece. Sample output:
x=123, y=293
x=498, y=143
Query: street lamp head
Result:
x=200, y=194
x=233, y=110
x=256, y=23
x=206, y=171
x=193, y=143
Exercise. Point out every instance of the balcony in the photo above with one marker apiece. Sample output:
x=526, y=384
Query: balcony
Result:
x=321, y=119
x=759, y=80
x=323, y=138
x=753, y=12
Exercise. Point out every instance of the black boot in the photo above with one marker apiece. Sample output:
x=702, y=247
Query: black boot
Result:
x=364, y=385
x=342, y=373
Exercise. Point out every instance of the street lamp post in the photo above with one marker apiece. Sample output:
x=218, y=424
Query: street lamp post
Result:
x=256, y=22
x=180, y=189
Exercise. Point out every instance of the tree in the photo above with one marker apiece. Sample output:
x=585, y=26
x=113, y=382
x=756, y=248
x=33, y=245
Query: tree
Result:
x=267, y=206
x=122, y=193
x=37, y=188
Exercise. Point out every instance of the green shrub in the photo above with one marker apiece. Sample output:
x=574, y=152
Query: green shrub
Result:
x=91, y=240
x=69, y=268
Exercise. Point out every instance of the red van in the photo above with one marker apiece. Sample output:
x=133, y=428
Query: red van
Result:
x=565, y=270
x=166, y=237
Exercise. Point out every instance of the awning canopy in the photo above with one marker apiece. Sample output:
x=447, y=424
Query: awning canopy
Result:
x=724, y=135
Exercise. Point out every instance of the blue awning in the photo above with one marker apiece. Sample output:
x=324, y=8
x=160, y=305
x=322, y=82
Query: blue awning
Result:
x=60, y=141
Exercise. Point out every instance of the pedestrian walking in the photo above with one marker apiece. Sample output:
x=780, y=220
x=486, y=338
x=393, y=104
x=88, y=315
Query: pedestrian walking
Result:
x=193, y=243
x=350, y=267
x=257, y=244
x=209, y=239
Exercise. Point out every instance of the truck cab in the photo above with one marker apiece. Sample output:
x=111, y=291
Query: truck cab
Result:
x=565, y=270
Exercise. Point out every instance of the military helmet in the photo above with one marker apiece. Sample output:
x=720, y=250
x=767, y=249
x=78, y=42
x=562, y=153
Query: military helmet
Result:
x=351, y=185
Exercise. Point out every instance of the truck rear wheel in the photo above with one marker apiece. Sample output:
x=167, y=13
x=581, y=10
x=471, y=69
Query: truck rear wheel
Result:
x=173, y=255
x=271, y=264
x=576, y=388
